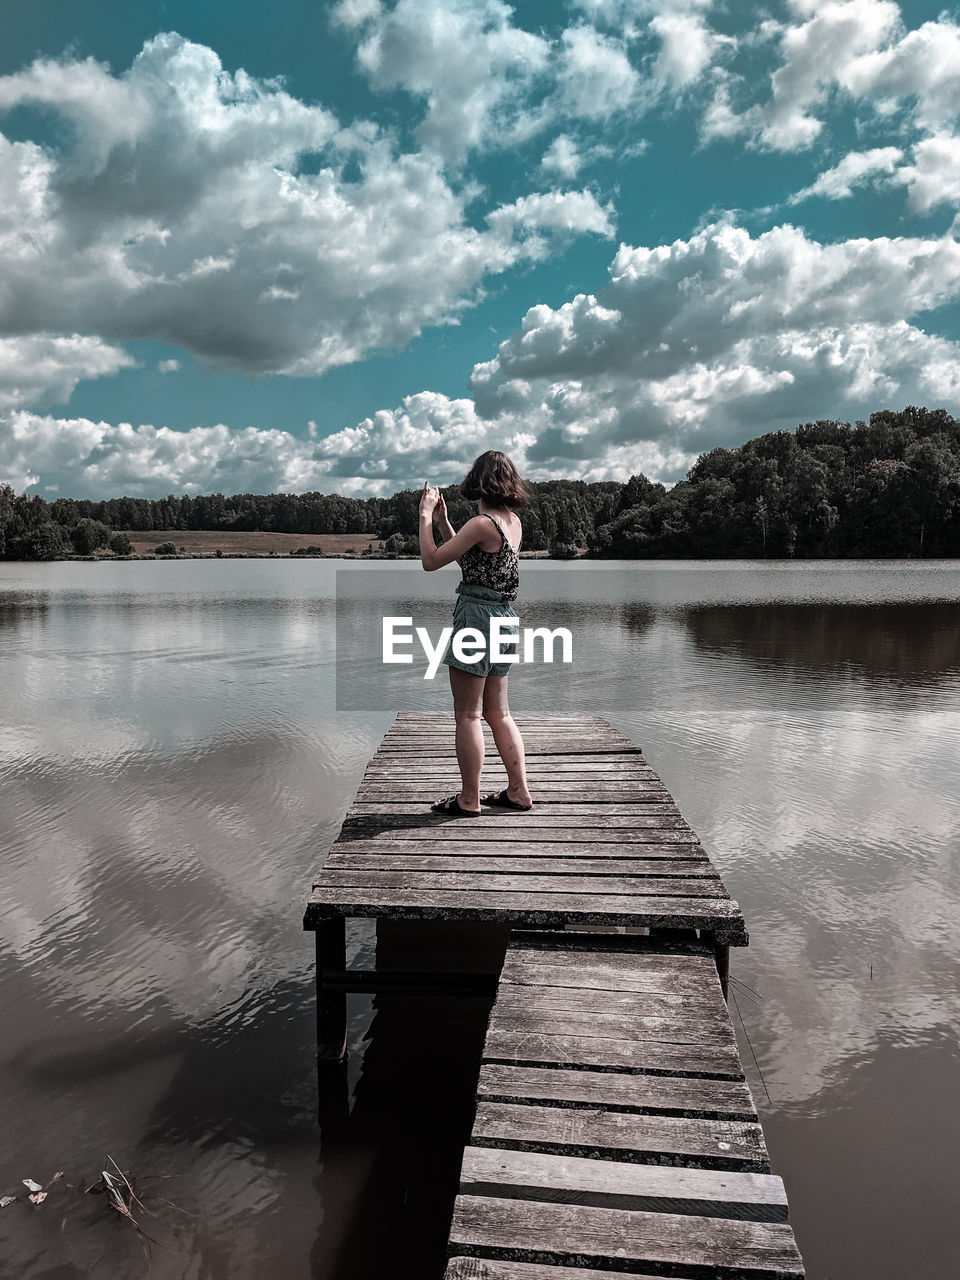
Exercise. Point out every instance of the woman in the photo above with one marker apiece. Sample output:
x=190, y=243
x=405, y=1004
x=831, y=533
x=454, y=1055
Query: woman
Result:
x=486, y=548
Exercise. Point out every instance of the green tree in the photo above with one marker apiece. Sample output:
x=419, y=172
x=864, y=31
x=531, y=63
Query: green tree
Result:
x=89, y=536
x=120, y=544
x=45, y=541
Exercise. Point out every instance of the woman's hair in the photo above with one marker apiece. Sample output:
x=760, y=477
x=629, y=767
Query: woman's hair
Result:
x=494, y=478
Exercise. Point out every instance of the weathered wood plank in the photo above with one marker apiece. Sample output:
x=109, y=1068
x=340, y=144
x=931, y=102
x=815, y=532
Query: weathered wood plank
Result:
x=582, y=1236
x=666, y=1095
x=523, y=864
x=663, y=1025
x=575, y=841
x=527, y=1044
x=689, y=1007
x=705, y=1144
x=572, y=814
x=661, y=859
x=500, y=1269
x=566, y=1179
x=609, y=972
x=625, y=792
x=499, y=882
x=531, y=749
x=722, y=915
x=605, y=765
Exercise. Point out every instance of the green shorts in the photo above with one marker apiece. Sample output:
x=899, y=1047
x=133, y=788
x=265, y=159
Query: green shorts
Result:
x=474, y=608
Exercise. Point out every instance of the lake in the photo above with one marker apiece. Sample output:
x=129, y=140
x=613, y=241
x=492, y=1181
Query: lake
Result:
x=173, y=766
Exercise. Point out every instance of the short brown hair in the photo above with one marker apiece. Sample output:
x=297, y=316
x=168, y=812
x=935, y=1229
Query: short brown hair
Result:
x=494, y=478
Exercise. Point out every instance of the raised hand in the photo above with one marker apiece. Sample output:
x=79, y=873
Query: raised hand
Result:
x=429, y=498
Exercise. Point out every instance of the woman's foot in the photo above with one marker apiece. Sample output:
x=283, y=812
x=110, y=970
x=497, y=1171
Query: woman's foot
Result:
x=504, y=800
x=452, y=808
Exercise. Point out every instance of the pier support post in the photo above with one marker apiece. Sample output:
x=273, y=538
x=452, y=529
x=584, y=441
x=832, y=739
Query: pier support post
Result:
x=721, y=953
x=331, y=1003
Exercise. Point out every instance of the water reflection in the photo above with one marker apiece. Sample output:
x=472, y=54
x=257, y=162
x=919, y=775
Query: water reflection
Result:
x=172, y=765
x=914, y=646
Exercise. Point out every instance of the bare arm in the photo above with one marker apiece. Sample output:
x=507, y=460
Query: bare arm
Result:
x=434, y=557
x=441, y=520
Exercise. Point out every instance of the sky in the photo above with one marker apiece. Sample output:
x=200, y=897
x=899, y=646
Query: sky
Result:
x=348, y=246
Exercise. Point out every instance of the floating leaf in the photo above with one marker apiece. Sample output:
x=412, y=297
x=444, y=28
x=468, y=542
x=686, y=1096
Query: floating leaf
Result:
x=5, y=1200
x=31, y=1185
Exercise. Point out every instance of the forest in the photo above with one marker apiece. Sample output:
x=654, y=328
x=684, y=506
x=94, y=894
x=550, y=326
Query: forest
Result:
x=889, y=487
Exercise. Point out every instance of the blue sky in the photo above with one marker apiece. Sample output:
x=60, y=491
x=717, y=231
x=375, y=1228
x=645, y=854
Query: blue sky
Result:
x=348, y=246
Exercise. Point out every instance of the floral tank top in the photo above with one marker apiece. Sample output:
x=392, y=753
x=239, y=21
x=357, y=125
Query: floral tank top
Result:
x=498, y=570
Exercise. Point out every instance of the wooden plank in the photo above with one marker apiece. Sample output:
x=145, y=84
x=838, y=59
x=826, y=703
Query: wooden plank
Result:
x=626, y=789
x=608, y=972
x=558, y=748
x=663, y=1025
x=565, y=1179
x=451, y=843
x=527, y=1044
x=642, y=842
x=501, y=1269
x=582, y=1236
x=666, y=1095
x=686, y=1007
x=498, y=882
x=381, y=767
x=523, y=864
x=722, y=915
x=705, y=1144
x=572, y=814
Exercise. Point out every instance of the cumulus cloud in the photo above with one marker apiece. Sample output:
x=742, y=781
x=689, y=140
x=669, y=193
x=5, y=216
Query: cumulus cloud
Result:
x=856, y=169
x=168, y=366
x=486, y=82
x=180, y=212
x=563, y=157
x=705, y=341
x=857, y=49
x=933, y=177
x=727, y=333
x=595, y=76
x=45, y=368
x=467, y=60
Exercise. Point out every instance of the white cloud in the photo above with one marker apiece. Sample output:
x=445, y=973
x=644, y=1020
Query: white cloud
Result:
x=728, y=334
x=688, y=47
x=486, y=82
x=168, y=366
x=45, y=368
x=856, y=169
x=465, y=58
x=595, y=78
x=816, y=53
x=570, y=211
x=706, y=341
x=855, y=48
x=180, y=213
x=562, y=157
x=934, y=176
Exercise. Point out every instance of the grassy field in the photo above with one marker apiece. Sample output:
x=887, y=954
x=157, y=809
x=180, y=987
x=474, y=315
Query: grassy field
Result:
x=209, y=542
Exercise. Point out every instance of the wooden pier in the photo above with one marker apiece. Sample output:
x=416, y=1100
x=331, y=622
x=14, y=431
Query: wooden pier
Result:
x=615, y=1134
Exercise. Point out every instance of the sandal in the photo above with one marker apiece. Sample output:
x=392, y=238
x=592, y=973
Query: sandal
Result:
x=452, y=808
x=500, y=800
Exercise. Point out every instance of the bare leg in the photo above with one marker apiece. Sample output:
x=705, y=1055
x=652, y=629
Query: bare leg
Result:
x=467, y=692
x=506, y=735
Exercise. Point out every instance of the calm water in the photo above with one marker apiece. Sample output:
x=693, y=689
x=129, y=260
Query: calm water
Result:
x=172, y=768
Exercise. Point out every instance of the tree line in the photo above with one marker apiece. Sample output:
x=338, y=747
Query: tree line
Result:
x=887, y=487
